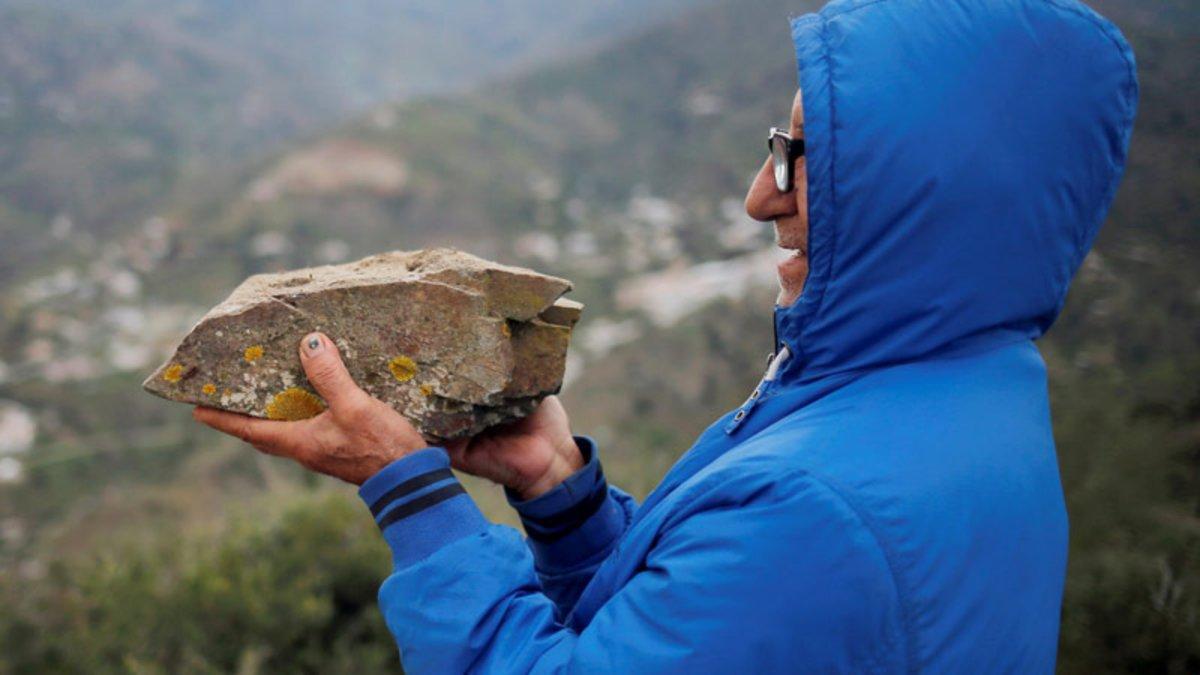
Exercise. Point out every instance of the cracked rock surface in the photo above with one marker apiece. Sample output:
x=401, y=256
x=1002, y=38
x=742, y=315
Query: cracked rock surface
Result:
x=454, y=342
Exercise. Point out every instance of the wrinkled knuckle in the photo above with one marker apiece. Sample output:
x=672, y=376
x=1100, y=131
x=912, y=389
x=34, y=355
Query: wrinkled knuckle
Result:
x=243, y=431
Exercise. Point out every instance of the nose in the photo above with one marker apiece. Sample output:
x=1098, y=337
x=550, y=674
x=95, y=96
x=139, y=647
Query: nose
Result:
x=764, y=201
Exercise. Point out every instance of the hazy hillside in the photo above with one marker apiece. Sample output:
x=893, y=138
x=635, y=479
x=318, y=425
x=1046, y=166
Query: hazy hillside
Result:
x=623, y=170
x=106, y=106
x=612, y=165
x=344, y=56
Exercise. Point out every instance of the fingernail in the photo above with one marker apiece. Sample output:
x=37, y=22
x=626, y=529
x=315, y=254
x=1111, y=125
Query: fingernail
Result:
x=312, y=344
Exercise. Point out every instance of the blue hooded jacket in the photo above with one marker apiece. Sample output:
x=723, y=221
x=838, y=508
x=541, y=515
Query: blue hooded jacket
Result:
x=887, y=499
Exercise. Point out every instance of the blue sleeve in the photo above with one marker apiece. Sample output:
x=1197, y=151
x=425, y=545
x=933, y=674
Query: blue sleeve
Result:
x=572, y=528
x=777, y=575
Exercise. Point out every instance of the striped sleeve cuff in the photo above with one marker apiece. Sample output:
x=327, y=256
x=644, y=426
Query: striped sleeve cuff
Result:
x=420, y=506
x=576, y=522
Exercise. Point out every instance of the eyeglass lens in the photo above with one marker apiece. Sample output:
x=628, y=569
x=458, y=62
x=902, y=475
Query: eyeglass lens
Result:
x=779, y=156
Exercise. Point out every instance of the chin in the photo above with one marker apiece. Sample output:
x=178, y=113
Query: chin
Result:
x=788, y=294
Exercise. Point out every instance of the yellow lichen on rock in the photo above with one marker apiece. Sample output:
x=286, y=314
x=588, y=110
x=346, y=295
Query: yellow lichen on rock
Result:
x=253, y=353
x=209, y=389
x=427, y=390
x=403, y=368
x=293, y=404
x=173, y=373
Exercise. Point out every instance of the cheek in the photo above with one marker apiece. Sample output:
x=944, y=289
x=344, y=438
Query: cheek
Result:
x=801, y=192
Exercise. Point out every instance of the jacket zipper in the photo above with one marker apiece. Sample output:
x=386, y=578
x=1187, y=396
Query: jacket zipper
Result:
x=775, y=361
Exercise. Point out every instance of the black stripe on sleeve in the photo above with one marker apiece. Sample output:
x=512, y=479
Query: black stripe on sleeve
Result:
x=408, y=487
x=566, y=521
x=421, y=503
x=575, y=514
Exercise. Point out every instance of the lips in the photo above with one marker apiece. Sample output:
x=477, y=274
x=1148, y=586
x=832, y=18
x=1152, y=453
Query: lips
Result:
x=797, y=261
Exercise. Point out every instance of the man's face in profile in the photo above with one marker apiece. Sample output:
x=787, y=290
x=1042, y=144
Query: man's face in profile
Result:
x=789, y=211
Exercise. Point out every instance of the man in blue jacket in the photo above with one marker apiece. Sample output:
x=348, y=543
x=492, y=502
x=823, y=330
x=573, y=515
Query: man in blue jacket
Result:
x=887, y=498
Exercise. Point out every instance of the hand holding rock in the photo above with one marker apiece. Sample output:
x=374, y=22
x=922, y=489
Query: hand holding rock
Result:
x=530, y=456
x=353, y=439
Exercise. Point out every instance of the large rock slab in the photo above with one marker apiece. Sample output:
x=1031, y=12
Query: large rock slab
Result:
x=452, y=341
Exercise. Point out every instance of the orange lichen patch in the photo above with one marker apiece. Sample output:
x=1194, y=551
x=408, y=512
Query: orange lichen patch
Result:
x=253, y=353
x=294, y=403
x=209, y=389
x=403, y=368
x=173, y=373
x=226, y=392
x=426, y=390
x=505, y=329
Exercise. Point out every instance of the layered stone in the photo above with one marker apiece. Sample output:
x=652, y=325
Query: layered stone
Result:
x=454, y=342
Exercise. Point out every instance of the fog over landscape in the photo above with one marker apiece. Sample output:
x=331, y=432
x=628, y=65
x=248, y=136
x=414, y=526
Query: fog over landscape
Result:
x=154, y=154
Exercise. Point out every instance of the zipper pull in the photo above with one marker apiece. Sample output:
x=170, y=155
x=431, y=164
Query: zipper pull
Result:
x=773, y=366
x=743, y=412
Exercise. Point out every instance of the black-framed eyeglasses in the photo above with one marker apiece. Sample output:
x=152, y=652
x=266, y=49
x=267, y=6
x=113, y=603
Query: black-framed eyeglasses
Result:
x=784, y=152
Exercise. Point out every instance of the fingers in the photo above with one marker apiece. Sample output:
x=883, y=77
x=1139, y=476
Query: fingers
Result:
x=456, y=446
x=551, y=406
x=327, y=373
x=266, y=435
x=457, y=450
x=549, y=416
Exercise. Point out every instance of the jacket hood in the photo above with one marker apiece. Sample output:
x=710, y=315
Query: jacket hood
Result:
x=961, y=156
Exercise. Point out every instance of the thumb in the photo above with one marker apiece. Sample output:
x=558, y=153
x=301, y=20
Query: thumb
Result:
x=325, y=370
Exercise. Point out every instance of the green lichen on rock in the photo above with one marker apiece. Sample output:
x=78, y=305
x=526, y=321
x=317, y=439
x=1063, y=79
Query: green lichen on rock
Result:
x=454, y=342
